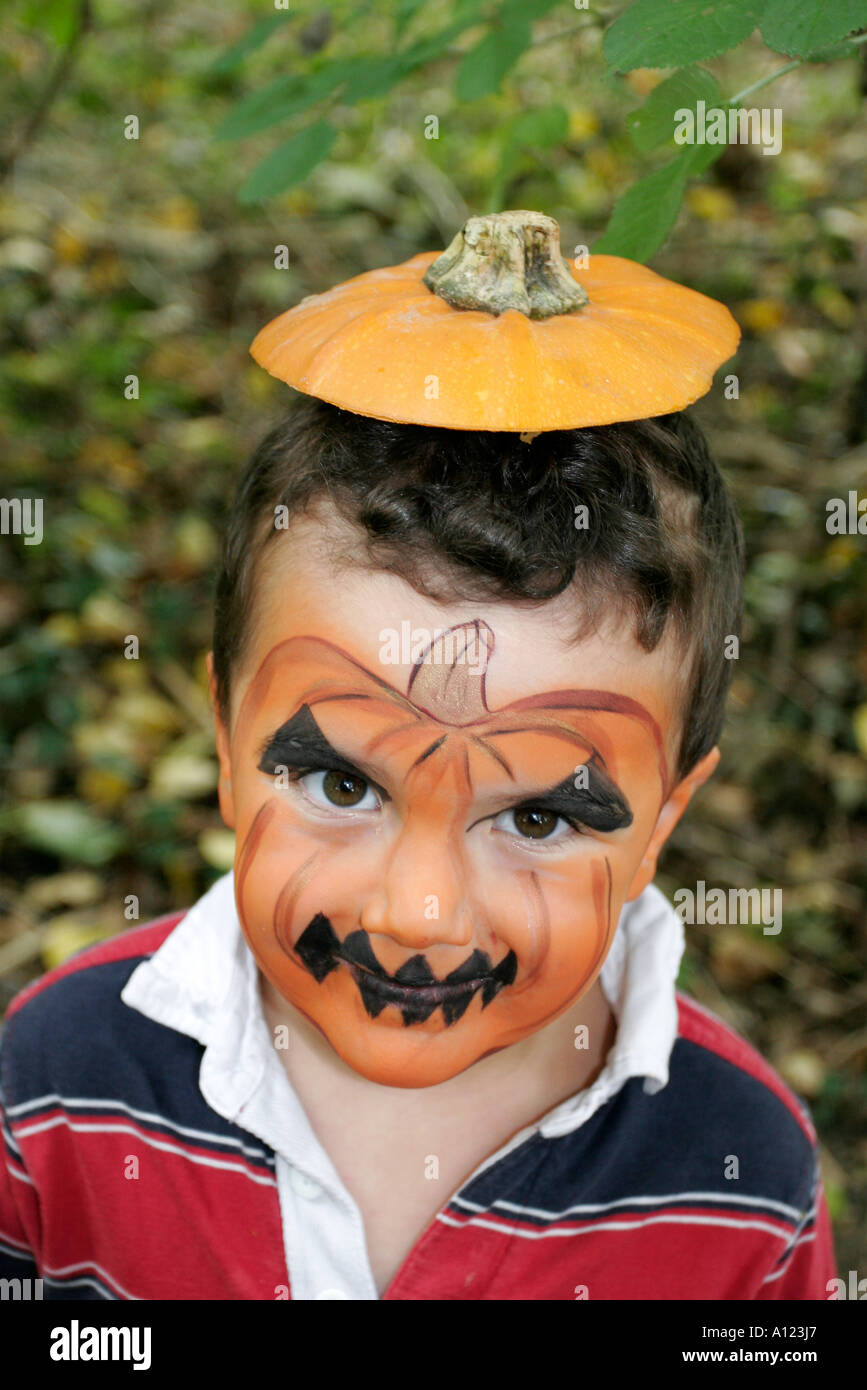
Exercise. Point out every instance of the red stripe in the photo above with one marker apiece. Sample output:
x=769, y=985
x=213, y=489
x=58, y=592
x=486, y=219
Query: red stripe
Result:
x=659, y=1262
x=176, y=1230
x=107, y=1119
x=612, y=1219
x=134, y=941
x=704, y=1028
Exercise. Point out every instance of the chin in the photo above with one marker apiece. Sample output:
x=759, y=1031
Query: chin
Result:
x=389, y=1066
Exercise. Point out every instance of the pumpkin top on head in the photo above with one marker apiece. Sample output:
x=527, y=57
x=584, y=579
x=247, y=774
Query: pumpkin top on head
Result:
x=499, y=332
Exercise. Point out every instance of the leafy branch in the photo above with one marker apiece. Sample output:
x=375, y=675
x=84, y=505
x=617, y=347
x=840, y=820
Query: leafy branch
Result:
x=678, y=34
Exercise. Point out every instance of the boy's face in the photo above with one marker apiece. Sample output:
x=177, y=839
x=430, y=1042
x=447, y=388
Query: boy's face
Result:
x=440, y=811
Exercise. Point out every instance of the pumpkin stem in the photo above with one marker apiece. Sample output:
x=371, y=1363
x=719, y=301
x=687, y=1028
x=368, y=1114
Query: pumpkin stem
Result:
x=507, y=260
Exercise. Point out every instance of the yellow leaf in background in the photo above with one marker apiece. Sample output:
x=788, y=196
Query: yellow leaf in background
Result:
x=68, y=248
x=179, y=213
x=804, y=1070
x=146, y=711
x=198, y=436
x=642, y=81
x=66, y=935
x=194, y=544
x=103, y=786
x=711, y=204
x=859, y=728
x=181, y=776
x=602, y=162
x=106, y=272
x=63, y=628
x=124, y=674
x=104, y=618
x=761, y=315
x=217, y=848
x=110, y=456
x=482, y=161
x=582, y=123
x=840, y=554
x=299, y=201
x=94, y=205
x=73, y=887
x=802, y=863
x=834, y=304
x=98, y=738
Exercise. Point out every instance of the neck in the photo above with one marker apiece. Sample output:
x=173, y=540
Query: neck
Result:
x=518, y=1084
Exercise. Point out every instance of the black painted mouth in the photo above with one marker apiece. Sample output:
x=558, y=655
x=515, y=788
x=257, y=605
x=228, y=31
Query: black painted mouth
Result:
x=414, y=988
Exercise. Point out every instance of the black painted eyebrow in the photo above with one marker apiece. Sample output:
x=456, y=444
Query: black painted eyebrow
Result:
x=600, y=805
x=300, y=743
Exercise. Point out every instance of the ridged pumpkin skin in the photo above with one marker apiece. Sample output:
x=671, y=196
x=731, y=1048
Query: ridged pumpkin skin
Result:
x=383, y=344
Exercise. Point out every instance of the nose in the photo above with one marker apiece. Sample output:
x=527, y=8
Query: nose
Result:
x=422, y=898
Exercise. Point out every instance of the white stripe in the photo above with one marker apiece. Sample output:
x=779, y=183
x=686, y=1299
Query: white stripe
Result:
x=9, y=1139
x=151, y=1142
x=616, y=1225
x=787, y=1259
x=47, y=1273
x=68, y=1284
x=591, y=1207
x=22, y=1177
x=145, y=1115
x=14, y=1246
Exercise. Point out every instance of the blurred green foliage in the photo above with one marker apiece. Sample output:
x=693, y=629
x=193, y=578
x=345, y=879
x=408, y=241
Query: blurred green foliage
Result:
x=133, y=258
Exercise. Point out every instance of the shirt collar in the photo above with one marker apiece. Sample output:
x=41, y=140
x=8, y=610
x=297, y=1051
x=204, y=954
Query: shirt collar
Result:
x=203, y=981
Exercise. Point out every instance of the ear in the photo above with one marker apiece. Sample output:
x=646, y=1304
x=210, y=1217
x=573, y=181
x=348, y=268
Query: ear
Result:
x=224, y=786
x=669, y=815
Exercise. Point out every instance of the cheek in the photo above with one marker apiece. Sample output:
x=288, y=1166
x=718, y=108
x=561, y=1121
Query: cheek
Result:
x=287, y=870
x=557, y=920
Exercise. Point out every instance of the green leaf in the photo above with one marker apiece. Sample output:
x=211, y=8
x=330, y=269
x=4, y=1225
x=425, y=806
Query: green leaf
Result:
x=805, y=26
x=672, y=33
x=653, y=123
x=646, y=212
x=404, y=12
x=254, y=38
x=286, y=96
x=483, y=68
x=467, y=12
x=374, y=77
x=66, y=828
x=834, y=53
x=290, y=162
x=425, y=49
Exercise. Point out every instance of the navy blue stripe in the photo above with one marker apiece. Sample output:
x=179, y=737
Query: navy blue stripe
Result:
x=77, y=1038
x=259, y=1159
x=682, y=1138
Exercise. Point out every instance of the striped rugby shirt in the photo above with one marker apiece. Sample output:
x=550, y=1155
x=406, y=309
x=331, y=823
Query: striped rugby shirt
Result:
x=155, y=1149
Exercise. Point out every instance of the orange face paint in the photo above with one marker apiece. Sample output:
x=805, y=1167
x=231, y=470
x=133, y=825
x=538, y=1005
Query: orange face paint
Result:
x=395, y=877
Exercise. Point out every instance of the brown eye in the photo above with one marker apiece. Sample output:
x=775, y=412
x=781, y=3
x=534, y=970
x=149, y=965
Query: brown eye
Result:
x=343, y=788
x=535, y=823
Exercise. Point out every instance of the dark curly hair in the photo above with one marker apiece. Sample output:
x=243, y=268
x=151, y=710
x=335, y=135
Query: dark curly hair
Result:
x=464, y=514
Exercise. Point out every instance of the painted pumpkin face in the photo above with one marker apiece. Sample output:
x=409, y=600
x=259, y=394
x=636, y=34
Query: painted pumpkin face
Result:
x=429, y=877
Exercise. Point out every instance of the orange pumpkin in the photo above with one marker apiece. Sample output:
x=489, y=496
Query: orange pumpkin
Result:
x=498, y=332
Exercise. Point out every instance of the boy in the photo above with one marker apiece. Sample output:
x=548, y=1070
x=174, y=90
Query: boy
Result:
x=424, y=1042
